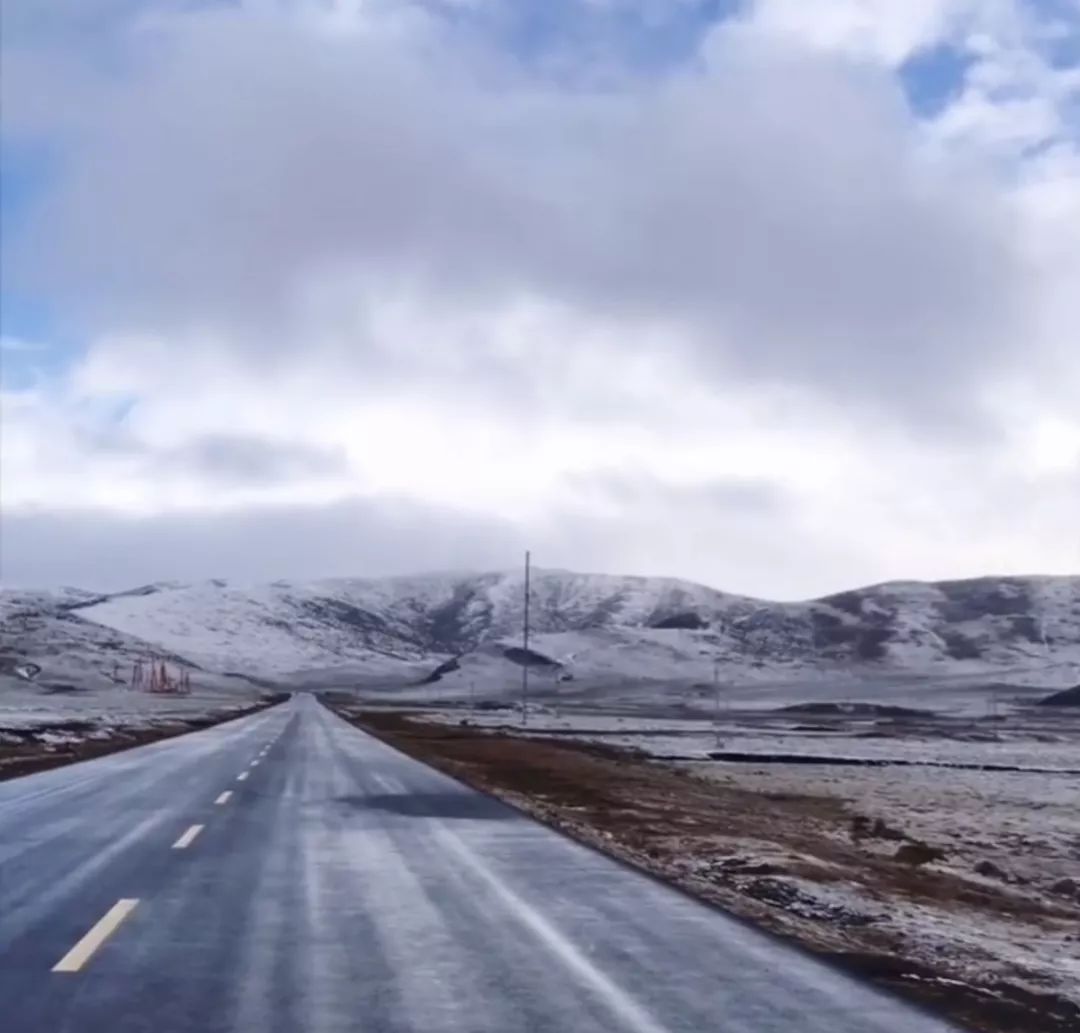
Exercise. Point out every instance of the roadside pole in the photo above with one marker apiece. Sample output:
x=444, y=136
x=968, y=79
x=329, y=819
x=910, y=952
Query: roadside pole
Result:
x=525, y=650
x=716, y=697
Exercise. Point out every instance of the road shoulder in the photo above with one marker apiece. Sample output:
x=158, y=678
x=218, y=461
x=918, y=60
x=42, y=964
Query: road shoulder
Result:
x=748, y=852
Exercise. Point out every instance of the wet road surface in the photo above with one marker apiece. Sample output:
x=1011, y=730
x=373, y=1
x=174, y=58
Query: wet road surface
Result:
x=286, y=873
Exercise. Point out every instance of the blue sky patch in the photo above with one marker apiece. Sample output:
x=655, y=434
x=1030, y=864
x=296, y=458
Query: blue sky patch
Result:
x=933, y=77
x=26, y=174
x=637, y=37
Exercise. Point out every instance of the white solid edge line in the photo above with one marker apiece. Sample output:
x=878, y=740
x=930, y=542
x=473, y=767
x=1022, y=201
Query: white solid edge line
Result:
x=84, y=950
x=188, y=837
x=631, y=1014
x=224, y=797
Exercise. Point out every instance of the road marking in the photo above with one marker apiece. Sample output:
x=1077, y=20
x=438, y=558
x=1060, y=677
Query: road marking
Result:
x=84, y=950
x=224, y=798
x=255, y=763
x=243, y=775
x=188, y=837
x=632, y=1015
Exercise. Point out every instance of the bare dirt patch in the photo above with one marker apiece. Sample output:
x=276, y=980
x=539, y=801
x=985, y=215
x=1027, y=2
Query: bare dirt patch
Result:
x=800, y=864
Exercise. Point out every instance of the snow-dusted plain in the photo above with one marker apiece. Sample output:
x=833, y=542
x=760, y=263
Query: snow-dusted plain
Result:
x=24, y=706
x=1027, y=740
x=1023, y=824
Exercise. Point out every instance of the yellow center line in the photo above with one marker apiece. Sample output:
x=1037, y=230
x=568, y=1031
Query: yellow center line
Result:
x=224, y=798
x=187, y=838
x=84, y=950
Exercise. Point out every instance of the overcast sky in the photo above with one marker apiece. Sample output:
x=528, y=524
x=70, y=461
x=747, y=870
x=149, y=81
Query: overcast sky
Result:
x=782, y=296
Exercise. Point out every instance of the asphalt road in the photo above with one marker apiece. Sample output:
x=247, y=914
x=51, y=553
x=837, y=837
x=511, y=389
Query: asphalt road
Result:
x=344, y=887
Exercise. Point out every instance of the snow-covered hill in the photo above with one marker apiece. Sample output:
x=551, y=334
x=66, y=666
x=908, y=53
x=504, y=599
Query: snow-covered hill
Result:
x=594, y=629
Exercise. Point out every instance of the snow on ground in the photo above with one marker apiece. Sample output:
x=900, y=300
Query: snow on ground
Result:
x=483, y=676
x=1025, y=822
x=226, y=629
x=1027, y=740
x=1025, y=825
x=14, y=601
x=1063, y=756
x=87, y=669
x=25, y=706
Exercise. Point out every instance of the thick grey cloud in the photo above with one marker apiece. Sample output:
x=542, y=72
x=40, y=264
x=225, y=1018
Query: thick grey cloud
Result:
x=741, y=536
x=240, y=460
x=101, y=550
x=725, y=497
x=767, y=206
x=225, y=460
x=698, y=538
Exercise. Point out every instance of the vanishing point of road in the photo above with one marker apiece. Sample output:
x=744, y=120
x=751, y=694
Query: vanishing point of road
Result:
x=286, y=873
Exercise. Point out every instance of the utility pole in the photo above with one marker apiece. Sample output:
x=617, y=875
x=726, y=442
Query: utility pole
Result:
x=525, y=648
x=716, y=696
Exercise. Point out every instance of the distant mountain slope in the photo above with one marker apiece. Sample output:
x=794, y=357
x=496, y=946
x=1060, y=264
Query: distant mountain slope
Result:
x=1064, y=698
x=45, y=628
x=595, y=625
x=288, y=626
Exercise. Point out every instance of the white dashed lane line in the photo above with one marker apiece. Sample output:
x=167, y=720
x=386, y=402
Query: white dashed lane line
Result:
x=85, y=949
x=187, y=838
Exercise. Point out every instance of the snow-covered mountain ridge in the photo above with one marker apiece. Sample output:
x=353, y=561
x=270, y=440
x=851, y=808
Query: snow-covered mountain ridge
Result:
x=593, y=626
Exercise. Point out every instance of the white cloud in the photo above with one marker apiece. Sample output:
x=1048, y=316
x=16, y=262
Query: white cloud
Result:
x=757, y=492
x=748, y=321
x=884, y=30
x=1016, y=96
x=769, y=209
